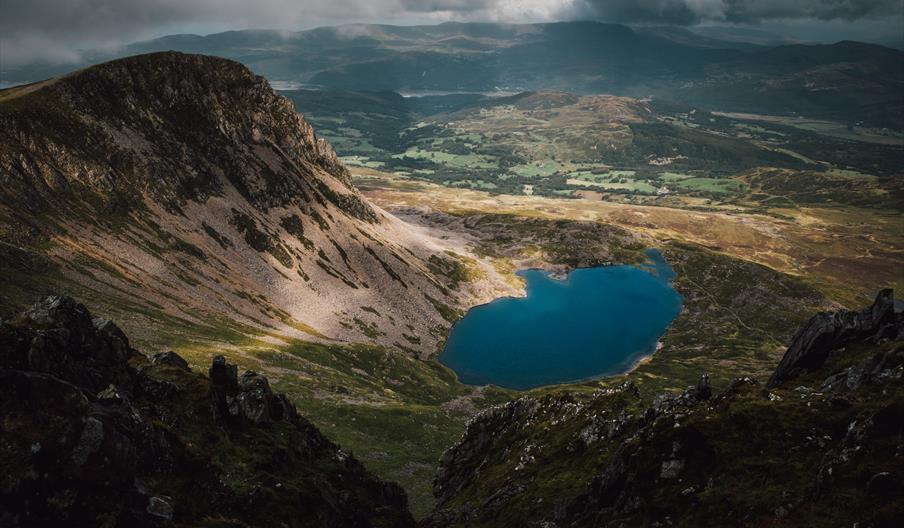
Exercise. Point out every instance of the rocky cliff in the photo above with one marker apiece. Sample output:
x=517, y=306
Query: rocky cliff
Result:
x=829, y=332
x=186, y=181
x=97, y=434
x=826, y=449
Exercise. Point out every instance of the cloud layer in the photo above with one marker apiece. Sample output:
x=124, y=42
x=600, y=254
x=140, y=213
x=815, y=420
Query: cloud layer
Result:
x=54, y=30
x=689, y=12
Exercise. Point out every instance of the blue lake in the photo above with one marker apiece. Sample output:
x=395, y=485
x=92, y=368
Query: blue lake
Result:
x=596, y=322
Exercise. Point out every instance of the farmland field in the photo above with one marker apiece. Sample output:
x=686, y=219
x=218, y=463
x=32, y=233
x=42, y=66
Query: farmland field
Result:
x=611, y=148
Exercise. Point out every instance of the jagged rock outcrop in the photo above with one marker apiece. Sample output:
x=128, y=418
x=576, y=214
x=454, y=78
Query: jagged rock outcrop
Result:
x=96, y=434
x=249, y=401
x=460, y=464
x=825, y=333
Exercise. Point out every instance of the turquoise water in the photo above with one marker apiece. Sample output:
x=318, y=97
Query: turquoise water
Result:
x=596, y=322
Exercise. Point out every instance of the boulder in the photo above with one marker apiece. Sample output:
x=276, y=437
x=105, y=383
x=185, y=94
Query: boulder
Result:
x=223, y=374
x=58, y=336
x=703, y=390
x=170, y=358
x=249, y=401
x=881, y=484
x=252, y=403
x=160, y=507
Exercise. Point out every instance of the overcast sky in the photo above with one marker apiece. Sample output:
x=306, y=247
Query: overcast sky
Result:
x=55, y=29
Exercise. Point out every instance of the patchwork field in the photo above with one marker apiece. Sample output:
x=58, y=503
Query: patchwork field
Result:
x=611, y=148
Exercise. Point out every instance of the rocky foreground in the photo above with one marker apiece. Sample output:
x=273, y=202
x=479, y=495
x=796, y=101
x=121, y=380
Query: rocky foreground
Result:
x=822, y=444
x=96, y=434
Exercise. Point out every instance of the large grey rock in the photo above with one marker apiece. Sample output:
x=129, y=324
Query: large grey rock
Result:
x=252, y=403
x=170, y=358
x=826, y=332
x=245, y=401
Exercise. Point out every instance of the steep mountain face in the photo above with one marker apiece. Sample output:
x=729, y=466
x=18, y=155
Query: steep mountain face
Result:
x=187, y=182
x=97, y=434
x=846, y=81
x=824, y=449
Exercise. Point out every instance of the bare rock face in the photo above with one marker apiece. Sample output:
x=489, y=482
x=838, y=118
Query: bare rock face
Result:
x=96, y=434
x=815, y=342
x=248, y=401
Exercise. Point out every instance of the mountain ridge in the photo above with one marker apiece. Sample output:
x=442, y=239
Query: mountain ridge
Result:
x=165, y=174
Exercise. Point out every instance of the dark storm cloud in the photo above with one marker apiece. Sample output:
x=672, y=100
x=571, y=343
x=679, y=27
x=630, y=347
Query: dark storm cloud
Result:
x=689, y=12
x=429, y=6
x=55, y=29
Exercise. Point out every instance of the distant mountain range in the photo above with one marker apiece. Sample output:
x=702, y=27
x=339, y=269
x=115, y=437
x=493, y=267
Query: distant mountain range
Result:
x=846, y=81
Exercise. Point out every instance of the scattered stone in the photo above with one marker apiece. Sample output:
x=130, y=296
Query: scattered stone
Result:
x=170, y=358
x=881, y=484
x=159, y=507
x=671, y=468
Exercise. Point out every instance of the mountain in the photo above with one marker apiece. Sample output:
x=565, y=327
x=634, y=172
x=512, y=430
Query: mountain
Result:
x=97, y=434
x=841, y=81
x=740, y=35
x=182, y=197
x=186, y=182
x=819, y=445
x=846, y=81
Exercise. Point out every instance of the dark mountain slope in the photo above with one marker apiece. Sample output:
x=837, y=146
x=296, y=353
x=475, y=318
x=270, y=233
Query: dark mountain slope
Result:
x=97, y=434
